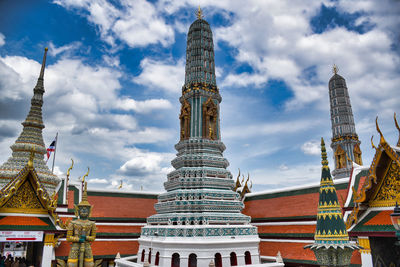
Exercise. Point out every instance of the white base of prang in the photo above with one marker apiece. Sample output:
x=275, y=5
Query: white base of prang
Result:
x=204, y=247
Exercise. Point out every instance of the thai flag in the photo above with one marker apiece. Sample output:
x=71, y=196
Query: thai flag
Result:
x=51, y=148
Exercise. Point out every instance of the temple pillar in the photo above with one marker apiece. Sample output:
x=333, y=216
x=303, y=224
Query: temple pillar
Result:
x=48, y=250
x=366, y=256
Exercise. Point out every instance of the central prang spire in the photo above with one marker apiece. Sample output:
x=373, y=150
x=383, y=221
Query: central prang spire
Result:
x=200, y=215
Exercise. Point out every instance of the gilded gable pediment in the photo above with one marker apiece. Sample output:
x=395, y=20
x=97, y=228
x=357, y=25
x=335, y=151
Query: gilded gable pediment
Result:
x=24, y=200
x=389, y=189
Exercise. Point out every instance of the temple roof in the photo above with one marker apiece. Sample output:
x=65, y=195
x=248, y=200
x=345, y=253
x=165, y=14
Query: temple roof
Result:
x=381, y=183
x=25, y=194
x=375, y=221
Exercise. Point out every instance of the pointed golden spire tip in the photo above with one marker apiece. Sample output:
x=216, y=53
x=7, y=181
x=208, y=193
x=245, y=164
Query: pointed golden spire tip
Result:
x=335, y=69
x=199, y=13
x=323, y=154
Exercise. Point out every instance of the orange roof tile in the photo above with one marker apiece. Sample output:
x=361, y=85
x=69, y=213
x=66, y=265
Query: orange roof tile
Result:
x=118, y=229
x=103, y=248
x=286, y=229
x=382, y=218
x=105, y=206
x=22, y=220
x=287, y=206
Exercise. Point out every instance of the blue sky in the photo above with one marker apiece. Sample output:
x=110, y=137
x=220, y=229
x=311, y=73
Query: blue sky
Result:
x=115, y=71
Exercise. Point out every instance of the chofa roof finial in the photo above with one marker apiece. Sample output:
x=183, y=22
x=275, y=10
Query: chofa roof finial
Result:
x=398, y=128
x=379, y=131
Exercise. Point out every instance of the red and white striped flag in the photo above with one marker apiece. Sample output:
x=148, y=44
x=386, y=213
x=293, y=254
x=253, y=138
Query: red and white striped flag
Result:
x=51, y=148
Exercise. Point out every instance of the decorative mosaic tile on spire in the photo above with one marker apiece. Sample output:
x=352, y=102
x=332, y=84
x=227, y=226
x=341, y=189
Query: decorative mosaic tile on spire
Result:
x=200, y=66
x=330, y=224
x=331, y=245
x=31, y=139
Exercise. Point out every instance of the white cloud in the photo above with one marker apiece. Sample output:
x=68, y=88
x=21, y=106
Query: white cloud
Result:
x=146, y=169
x=54, y=51
x=2, y=39
x=57, y=171
x=79, y=103
x=278, y=43
x=145, y=106
x=311, y=148
x=244, y=79
x=165, y=75
x=269, y=129
x=283, y=167
x=135, y=23
x=112, y=61
x=143, y=163
x=98, y=181
x=286, y=175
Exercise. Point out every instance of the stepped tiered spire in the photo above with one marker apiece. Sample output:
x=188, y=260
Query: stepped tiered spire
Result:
x=31, y=139
x=345, y=143
x=200, y=204
x=331, y=245
x=330, y=225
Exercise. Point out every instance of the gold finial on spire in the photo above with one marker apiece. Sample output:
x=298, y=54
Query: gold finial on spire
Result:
x=199, y=13
x=84, y=201
x=335, y=69
x=84, y=194
x=324, y=155
x=43, y=64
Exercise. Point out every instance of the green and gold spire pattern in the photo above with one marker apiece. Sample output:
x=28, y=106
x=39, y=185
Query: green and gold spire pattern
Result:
x=331, y=246
x=200, y=66
x=330, y=224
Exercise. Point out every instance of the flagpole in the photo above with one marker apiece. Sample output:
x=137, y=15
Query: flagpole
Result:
x=55, y=150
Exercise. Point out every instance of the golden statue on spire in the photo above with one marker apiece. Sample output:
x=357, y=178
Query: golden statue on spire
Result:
x=199, y=13
x=335, y=69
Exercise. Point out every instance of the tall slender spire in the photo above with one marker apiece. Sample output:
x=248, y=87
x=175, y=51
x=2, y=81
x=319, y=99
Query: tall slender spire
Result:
x=41, y=75
x=30, y=139
x=345, y=143
x=331, y=245
x=330, y=224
